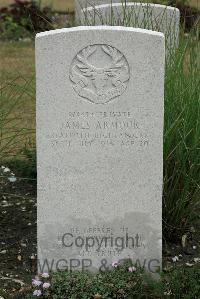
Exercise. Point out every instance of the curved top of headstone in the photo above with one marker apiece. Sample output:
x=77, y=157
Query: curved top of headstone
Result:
x=101, y=27
x=127, y=4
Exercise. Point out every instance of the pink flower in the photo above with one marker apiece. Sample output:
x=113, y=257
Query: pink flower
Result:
x=46, y=285
x=115, y=264
x=37, y=293
x=132, y=269
x=36, y=282
x=45, y=275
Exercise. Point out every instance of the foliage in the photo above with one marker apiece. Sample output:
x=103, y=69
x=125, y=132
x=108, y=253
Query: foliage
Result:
x=12, y=30
x=181, y=138
x=25, y=164
x=11, y=130
x=183, y=282
x=23, y=18
x=120, y=283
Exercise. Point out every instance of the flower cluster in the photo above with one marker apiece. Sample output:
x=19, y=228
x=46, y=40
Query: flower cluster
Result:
x=40, y=284
x=6, y=172
x=116, y=264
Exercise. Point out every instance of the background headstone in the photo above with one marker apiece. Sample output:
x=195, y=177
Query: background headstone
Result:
x=100, y=101
x=151, y=16
x=81, y=4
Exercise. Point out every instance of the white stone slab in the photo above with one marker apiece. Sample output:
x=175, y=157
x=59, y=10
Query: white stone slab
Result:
x=100, y=101
x=81, y=4
x=151, y=16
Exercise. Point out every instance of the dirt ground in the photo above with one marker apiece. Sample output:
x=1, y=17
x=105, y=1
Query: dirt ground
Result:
x=17, y=235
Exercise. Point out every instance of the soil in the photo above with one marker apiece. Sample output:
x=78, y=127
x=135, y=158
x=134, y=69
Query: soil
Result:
x=17, y=235
x=18, y=239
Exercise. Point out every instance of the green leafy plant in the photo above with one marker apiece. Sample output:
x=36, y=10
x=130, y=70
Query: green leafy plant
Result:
x=24, y=19
x=119, y=283
x=12, y=30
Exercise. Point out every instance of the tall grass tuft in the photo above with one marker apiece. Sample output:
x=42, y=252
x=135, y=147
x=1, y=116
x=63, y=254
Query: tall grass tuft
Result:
x=181, y=194
x=13, y=131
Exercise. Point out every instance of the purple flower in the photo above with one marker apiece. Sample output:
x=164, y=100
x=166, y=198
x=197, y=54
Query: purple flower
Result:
x=46, y=285
x=36, y=282
x=45, y=275
x=37, y=293
x=115, y=264
x=132, y=269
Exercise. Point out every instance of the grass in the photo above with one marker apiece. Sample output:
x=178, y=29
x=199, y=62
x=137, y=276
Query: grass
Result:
x=17, y=118
x=17, y=97
x=60, y=5
x=181, y=139
x=16, y=60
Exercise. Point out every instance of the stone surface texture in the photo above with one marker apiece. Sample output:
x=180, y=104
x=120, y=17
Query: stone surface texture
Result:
x=100, y=102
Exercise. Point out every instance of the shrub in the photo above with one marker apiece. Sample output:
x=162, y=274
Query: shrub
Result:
x=25, y=164
x=23, y=18
x=12, y=30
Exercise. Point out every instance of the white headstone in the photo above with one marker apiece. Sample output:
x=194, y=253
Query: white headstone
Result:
x=151, y=16
x=81, y=4
x=99, y=147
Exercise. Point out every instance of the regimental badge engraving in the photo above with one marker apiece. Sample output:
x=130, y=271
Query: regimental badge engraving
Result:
x=99, y=73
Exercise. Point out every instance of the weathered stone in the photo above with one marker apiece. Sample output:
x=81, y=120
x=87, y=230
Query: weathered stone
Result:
x=99, y=147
